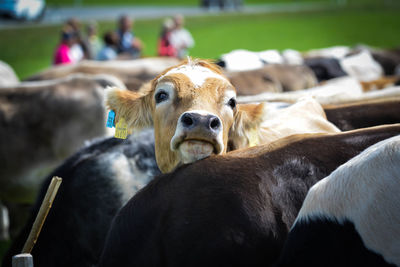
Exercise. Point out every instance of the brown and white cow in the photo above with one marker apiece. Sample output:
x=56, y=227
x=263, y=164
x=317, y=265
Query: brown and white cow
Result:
x=133, y=73
x=272, y=78
x=192, y=107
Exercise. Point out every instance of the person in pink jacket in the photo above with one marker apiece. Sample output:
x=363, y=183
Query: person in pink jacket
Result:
x=62, y=54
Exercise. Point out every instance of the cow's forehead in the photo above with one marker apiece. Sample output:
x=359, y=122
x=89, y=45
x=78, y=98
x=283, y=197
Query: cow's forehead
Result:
x=195, y=73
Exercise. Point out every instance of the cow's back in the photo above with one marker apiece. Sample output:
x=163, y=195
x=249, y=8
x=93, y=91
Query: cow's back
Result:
x=233, y=210
x=97, y=182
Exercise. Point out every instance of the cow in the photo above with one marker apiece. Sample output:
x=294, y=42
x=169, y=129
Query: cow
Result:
x=41, y=124
x=335, y=91
x=337, y=52
x=364, y=114
x=325, y=68
x=389, y=59
x=240, y=60
x=332, y=91
x=229, y=210
x=133, y=73
x=307, y=115
x=97, y=181
x=351, y=217
x=272, y=78
x=253, y=82
x=381, y=83
x=192, y=107
x=304, y=116
x=362, y=66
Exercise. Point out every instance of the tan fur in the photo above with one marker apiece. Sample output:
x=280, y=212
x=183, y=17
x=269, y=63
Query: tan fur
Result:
x=267, y=124
x=134, y=107
x=379, y=84
x=247, y=123
x=140, y=109
x=306, y=116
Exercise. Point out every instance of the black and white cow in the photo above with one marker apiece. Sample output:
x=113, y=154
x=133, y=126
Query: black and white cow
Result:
x=97, y=182
x=352, y=217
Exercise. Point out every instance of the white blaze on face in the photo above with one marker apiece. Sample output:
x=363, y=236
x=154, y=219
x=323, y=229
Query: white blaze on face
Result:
x=197, y=74
x=191, y=150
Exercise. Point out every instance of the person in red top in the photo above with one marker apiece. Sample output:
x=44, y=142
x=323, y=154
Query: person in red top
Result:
x=165, y=48
x=62, y=54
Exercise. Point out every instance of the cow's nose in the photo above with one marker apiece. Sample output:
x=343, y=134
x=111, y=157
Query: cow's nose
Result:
x=191, y=120
x=214, y=123
x=188, y=120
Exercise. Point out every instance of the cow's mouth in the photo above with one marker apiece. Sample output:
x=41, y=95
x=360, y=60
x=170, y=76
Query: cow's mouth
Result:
x=192, y=150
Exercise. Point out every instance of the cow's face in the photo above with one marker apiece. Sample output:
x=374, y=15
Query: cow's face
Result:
x=193, y=110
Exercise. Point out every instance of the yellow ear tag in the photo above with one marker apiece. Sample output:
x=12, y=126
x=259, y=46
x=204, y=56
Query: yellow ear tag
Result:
x=121, y=129
x=253, y=138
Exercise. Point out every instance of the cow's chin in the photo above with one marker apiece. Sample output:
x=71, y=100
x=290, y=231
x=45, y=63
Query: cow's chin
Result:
x=193, y=150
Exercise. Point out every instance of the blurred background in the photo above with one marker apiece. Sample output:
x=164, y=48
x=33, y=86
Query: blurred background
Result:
x=28, y=41
x=34, y=35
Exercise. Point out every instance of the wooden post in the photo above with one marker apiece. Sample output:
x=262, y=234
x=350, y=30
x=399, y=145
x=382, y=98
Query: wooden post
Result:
x=42, y=214
x=22, y=260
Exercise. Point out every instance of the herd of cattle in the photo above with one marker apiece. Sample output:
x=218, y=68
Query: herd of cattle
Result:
x=269, y=159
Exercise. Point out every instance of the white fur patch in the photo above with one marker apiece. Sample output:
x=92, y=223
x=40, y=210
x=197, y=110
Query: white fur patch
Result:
x=365, y=191
x=229, y=94
x=362, y=66
x=128, y=178
x=192, y=151
x=167, y=87
x=197, y=74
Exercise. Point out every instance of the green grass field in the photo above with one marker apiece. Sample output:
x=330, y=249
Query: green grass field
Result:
x=30, y=50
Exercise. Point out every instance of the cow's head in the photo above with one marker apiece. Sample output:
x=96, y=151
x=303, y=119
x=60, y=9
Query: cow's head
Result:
x=193, y=109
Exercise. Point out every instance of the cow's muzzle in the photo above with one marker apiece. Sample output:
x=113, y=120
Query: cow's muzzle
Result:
x=198, y=135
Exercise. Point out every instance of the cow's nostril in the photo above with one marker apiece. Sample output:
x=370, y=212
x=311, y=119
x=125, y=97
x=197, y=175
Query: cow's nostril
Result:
x=187, y=120
x=215, y=123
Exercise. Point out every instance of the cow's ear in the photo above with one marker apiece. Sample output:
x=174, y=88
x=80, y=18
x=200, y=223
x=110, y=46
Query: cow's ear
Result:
x=134, y=107
x=246, y=128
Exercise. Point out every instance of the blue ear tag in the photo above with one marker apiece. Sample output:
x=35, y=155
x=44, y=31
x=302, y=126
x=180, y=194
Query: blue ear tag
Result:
x=111, y=119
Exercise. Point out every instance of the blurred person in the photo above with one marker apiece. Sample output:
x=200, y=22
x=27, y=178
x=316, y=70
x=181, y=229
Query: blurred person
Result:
x=92, y=41
x=128, y=42
x=221, y=4
x=110, y=49
x=165, y=48
x=62, y=54
x=79, y=50
x=181, y=38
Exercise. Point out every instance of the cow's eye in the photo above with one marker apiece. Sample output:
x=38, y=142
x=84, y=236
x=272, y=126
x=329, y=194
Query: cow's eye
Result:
x=161, y=96
x=232, y=103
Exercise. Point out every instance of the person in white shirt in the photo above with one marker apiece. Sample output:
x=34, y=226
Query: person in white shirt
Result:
x=109, y=51
x=181, y=38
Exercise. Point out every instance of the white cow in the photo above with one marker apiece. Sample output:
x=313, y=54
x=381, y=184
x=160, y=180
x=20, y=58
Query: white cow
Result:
x=352, y=217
